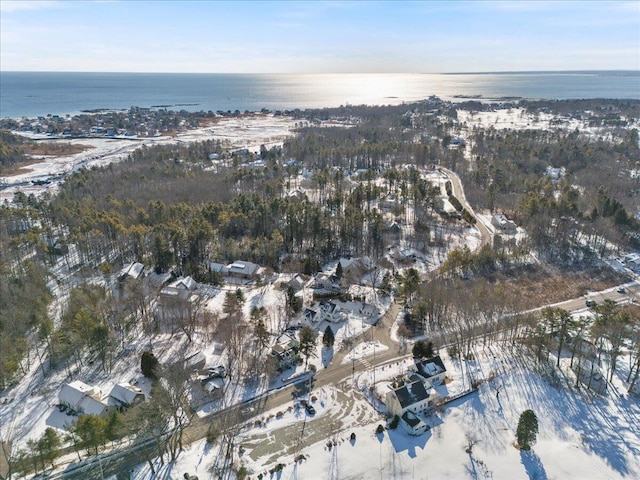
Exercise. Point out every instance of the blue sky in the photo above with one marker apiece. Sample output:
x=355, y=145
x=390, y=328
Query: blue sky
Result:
x=315, y=36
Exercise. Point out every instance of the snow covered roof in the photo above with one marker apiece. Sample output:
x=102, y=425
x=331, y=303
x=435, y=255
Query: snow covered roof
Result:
x=186, y=283
x=73, y=392
x=83, y=398
x=132, y=270
x=430, y=367
x=125, y=393
x=242, y=267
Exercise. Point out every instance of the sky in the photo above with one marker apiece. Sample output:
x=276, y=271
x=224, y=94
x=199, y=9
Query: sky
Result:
x=318, y=36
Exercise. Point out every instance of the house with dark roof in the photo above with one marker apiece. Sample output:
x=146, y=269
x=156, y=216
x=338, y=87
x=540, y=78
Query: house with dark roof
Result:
x=413, y=397
x=431, y=371
x=413, y=424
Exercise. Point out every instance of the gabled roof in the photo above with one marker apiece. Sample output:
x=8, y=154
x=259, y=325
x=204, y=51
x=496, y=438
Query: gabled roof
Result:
x=125, y=393
x=218, y=267
x=72, y=393
x=80, y=396
x=242, y=267
x=133, y=270
x=409, y=394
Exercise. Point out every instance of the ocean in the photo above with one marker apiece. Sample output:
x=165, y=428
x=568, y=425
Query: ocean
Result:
x=40, y=93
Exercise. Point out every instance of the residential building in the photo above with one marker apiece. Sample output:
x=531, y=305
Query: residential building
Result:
x=431, y=371
x=83, y=399
x=503, y=224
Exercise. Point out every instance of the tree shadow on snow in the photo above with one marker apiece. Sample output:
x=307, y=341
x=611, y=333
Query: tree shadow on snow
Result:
x=532, y=465
x=327, y=356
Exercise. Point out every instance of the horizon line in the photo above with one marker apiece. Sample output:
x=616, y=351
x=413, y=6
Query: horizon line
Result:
x=487, y=72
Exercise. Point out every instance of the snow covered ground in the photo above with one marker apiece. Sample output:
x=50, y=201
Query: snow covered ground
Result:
x=582, y=436
x=242, y=132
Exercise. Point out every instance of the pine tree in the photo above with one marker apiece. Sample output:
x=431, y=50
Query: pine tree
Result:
x=328, y=338
x=527, y=431
x=307, y=342
x=149, y=365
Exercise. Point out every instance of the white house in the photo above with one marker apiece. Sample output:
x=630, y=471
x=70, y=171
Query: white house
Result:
x=413, y=424
x=83, y=399
x=286, y=353
x=413, y=397
x=329, y=311
x=125, y=395
x=325, y=281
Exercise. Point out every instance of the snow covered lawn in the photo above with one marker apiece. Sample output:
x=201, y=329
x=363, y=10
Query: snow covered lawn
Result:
x=582, y=436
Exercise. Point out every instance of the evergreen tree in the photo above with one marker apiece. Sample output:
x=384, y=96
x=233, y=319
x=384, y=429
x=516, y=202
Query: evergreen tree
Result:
x=328, y=338
x=307, y=342
x=149, y=365
x=339, y=270
x=527, y=430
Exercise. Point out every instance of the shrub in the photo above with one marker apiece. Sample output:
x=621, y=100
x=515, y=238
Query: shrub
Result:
x=212, y=434
x=394, y=423
x=379, y=429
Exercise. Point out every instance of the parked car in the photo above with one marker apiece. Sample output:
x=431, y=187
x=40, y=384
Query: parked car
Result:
x=590, y=303
x=246, y=411
x=621, y=290
x=310, y=410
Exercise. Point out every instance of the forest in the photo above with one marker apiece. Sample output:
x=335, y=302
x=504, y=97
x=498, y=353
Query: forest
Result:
x=171, y=208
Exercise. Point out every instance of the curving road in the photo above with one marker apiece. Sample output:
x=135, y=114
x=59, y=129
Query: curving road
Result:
x=486, y=236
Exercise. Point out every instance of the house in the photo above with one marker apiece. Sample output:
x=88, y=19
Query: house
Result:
x=218, y=268
x=131, y=271
x=413, y=424
x=504, y=224
x=286, y=353
x=297, y=195
x=389, y=202
x=83, y=399
x=56, y=246
x=324, y=311
x=180, y=288
x=431, y=371
x=355, y=267
x=413, y=397
x=125, y=395
x=368, y=310
x=298, y=282
x=243, y=270
x=555, y=174
x=327, y=282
